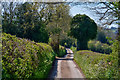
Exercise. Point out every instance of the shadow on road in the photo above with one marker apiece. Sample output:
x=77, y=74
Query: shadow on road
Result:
x=65, y=68
x=53, y=71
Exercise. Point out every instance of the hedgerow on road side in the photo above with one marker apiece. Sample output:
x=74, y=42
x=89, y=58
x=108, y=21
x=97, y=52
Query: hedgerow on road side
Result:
x=22, y=58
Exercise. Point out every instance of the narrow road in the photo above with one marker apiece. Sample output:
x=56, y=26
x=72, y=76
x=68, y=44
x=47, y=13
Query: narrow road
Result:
x=65, y=67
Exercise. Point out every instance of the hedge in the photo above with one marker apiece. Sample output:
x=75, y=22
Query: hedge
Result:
x=97, y=46
x=22, y=58
x=96, y=65
x=62, y=51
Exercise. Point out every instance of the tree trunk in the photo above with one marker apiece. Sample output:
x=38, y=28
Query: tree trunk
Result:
x=55, y=44
x=82, y=44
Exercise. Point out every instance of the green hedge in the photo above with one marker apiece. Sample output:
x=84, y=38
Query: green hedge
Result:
x=99, y=47
x=62, y=51
x=74, y=49
x=22, y=58
x=96, y=65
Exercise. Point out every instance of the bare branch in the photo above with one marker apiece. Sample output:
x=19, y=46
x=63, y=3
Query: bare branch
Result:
x=104, y=14
x=109, y=23
x=108, y=5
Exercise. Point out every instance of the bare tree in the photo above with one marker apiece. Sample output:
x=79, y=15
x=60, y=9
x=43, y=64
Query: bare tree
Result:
x=109, y=12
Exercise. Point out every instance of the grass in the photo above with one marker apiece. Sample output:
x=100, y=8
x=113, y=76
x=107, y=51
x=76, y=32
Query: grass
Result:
x=96, y=65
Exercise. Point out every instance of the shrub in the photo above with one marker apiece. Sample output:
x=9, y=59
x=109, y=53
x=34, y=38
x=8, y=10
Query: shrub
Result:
x=62, y=51
x=91, y=45
x=95, y=65
x=101, y=36
x=67, y=42
x=22, y=58
x=74, y=49
x=115, y=48
x=99, y=47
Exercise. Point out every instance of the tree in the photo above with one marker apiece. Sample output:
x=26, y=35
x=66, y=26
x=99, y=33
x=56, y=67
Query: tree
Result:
x=8, y=14
x=67, y=42
x=109, y=14
x=58, y=23
x=24, y=20
x=30, y=21
x=101, y=35
x=83, y=29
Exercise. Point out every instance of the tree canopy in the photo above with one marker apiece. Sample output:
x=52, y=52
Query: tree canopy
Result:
x=37, y=21
x=58, y=23
x=23, y=20
x=83, y=29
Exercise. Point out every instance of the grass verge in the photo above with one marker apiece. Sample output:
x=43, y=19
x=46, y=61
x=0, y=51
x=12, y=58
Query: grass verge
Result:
x=96, y=65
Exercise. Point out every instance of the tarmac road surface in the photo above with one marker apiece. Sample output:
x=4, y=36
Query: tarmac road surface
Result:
x=65, y=67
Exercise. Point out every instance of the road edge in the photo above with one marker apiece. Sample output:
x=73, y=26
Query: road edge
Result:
x=79, y=69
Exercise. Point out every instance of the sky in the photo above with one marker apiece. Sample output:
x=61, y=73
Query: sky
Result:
x=83, y=9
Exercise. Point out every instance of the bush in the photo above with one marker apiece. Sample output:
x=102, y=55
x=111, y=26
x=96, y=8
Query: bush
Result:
x=95, y=65
x=101, y=36
x=22, y=58
x=115, y=48
x=62, y=51
x=74, y=49
x=99, y=47
x=116, y=53
x=67, y=42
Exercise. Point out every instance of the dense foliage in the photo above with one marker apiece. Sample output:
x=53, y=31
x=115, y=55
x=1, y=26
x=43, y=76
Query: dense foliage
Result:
x=95, y=65
x=74, y=49
x=58, y=23
x=97, y=46
x=62, y=51
x=22, y=58
x=67, y=42
x=41, y=22
x=23, y=20
x=101, y=36
x=83, y=29
x=37, y=21
x=115, y=48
